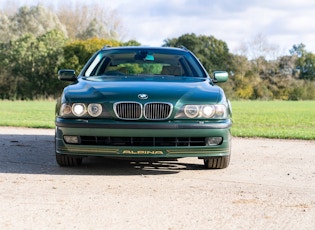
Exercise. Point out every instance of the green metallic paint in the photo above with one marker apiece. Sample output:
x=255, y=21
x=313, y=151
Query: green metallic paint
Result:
x=175, y=90
x=182, y=151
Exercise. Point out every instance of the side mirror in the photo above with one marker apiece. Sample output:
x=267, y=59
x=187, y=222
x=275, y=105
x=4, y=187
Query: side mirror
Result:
x=66, y=75
x=220, y=76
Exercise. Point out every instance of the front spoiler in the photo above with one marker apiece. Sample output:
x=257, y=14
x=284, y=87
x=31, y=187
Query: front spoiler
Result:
x=147, y=152
x=139, y=129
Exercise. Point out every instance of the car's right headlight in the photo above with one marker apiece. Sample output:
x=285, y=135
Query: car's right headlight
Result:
x=81, y=110
x=95, y=110
x=78, y=109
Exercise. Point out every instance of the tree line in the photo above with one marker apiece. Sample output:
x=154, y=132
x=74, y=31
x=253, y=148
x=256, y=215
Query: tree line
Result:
x=35, y=42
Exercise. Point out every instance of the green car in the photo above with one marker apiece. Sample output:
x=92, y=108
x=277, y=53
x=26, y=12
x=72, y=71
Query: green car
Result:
x=151, y=103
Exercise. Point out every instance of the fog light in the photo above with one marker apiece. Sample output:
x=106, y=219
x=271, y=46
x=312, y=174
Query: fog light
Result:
x=71, y=139
x=214, y=140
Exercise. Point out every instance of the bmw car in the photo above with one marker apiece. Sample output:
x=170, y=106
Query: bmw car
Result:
x=152, y=103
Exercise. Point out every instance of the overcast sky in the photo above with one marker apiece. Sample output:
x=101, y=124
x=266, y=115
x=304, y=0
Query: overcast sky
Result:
x=282, y=22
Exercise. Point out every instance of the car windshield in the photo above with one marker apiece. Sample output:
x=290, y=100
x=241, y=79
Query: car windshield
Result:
x=144, y=62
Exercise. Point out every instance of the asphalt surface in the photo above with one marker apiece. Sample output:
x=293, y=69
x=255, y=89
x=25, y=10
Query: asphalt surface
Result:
x=270, y=184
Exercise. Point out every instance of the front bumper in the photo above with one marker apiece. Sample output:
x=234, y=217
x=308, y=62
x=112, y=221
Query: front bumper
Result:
x=178, y=130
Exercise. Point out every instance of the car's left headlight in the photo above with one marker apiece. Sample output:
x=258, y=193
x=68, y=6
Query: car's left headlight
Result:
x=218, y=111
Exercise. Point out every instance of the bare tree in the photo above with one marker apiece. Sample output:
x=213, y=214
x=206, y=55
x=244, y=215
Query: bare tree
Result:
x=258, y=47
x=76, y=19
x=10, y=7
x=35, y=20
x=89, y=20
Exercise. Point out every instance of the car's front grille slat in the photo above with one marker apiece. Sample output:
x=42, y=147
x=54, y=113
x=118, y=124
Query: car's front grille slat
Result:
x=150, y=111
x=157, y=111
x=128, y=110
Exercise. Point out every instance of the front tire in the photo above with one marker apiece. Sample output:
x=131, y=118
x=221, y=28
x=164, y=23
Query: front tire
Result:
x=68, y=161
x=217, y=162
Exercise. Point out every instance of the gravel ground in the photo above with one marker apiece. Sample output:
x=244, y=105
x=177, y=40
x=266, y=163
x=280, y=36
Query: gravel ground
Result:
x=270, y=184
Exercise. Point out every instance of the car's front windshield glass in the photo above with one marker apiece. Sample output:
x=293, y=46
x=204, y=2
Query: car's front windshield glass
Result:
x=141, y=62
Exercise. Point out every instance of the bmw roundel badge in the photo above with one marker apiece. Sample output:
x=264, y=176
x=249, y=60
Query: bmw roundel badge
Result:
x=143, y=96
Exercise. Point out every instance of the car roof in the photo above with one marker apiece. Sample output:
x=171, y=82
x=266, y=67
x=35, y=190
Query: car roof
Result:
x=182, y=48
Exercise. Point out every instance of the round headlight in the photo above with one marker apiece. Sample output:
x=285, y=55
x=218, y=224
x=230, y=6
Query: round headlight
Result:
x=94, y=110
x=220, y=111
x=78, y=109
x=65, y=110
x=191, y=111
x=207, y=111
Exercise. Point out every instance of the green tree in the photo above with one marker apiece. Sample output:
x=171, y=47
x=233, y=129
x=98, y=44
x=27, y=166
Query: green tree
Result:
x=305, y=61
x=78, y=52
x=31, y=65
x=306, y=64
x=131, y=43
x=298, y=50
x=213, y=53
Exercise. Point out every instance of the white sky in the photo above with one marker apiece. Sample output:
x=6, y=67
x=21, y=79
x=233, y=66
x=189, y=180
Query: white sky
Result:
x=283, y=22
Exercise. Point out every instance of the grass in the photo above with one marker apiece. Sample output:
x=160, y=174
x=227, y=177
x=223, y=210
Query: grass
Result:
x=274, y=119
x=31, y=114
x=271, y=119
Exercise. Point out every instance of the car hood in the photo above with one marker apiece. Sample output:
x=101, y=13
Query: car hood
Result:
x=164, y=89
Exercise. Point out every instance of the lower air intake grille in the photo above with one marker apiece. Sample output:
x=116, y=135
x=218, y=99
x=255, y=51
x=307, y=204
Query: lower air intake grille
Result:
x=143, y=141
